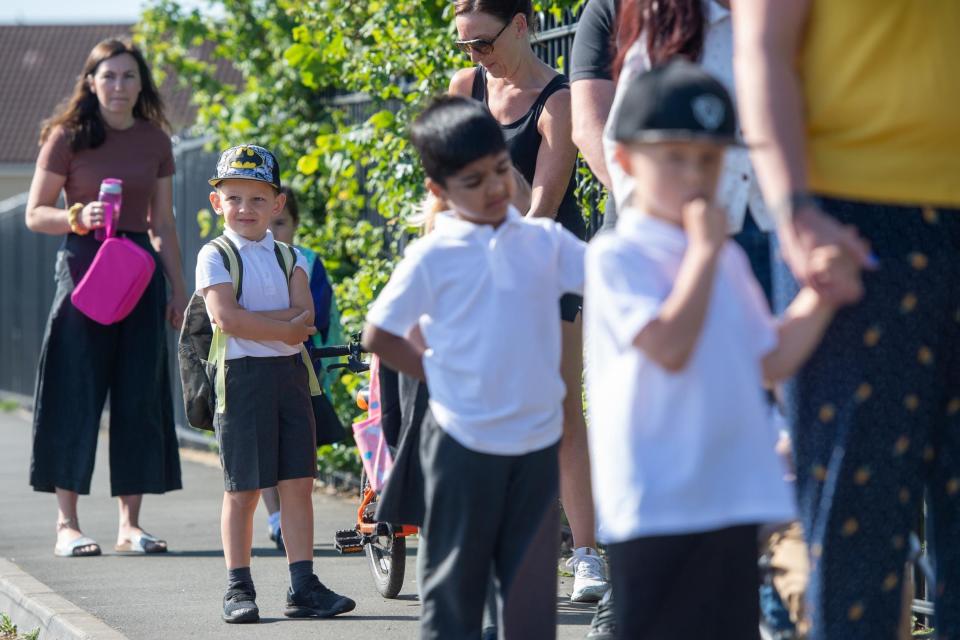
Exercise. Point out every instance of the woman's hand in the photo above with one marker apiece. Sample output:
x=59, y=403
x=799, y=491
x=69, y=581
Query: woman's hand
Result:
x=163, y=236
x=176, y=308
x=810, y=229
x=838, y=272
x=93, y=215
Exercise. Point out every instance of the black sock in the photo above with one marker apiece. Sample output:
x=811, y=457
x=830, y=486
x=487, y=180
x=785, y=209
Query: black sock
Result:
x=236, y=577
x=301, y=574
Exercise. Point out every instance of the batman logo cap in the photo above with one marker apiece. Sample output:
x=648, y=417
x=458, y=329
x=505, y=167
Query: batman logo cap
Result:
x=247, y=162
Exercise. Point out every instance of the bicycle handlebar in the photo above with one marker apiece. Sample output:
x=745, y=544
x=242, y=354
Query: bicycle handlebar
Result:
x=337, y=351
x=330, y=352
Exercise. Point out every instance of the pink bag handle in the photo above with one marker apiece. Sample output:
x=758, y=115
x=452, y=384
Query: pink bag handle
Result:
x=375, y=408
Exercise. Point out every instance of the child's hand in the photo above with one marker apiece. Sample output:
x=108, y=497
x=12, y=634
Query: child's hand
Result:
x=840, y=272
x=299, y=331
x=415, y=338
x=705, y=224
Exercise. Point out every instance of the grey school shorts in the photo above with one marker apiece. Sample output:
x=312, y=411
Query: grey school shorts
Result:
x=267, y=432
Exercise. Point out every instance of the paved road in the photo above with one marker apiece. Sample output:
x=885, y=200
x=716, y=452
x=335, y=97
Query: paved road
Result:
x=177, y=595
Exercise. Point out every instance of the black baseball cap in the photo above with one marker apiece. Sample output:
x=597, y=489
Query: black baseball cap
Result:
x=247, y=162
x=677, y=101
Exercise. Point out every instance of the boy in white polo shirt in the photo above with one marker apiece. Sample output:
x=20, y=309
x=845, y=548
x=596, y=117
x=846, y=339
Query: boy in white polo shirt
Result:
x=264, y=422
x=679, y=343
x=483, y=290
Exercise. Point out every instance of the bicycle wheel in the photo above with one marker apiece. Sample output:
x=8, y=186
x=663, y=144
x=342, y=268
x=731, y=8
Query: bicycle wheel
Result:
x=386, y=554
x=388, y=563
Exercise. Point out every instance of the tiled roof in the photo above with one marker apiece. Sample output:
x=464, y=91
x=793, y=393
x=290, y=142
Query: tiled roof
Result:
x=39, y=65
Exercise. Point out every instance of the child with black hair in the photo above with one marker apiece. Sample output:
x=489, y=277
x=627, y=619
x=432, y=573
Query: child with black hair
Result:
x=482, y=290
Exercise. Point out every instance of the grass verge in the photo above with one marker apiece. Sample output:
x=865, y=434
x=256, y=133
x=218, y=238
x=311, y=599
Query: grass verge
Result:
x=9, y=631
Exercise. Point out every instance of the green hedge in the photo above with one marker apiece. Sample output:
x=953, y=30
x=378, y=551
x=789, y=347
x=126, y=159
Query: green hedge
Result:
x=351, y=165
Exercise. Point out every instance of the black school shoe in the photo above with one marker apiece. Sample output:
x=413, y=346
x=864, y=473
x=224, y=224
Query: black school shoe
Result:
x=239, y=605
x=316, y=601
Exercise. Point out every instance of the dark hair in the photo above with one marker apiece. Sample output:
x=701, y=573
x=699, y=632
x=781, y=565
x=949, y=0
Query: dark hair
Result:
x=672, y=27
x=502, y=9
x=80, y=113
x=291, y=204
x=453, y=132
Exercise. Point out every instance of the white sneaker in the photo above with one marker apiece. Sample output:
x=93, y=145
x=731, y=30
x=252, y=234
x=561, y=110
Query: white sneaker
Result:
x=589, y=578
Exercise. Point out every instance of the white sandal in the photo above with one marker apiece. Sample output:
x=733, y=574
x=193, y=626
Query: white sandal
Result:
x=142, y=543
x=74, y=548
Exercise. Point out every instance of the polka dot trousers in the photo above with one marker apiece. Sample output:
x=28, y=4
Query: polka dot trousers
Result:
x=876, y=422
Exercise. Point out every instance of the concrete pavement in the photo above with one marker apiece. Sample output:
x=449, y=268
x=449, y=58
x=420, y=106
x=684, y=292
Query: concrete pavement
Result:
x=178, y=594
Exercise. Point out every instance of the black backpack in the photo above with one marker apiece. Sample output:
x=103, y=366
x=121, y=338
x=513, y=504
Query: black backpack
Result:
x=201, y=347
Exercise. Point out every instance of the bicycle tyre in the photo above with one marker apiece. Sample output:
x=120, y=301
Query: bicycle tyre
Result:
x=388, y=564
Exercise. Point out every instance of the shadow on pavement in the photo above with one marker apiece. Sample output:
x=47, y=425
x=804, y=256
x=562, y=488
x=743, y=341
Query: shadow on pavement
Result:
x=573, y=613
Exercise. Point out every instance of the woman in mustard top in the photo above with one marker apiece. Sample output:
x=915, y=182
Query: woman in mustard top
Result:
x=851, y=108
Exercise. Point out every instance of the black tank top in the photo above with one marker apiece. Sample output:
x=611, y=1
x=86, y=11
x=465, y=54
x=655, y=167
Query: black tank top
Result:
x=523, y=141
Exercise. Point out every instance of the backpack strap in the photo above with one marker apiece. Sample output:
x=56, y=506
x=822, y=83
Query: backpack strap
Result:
x=314, y=382
x=231, y=260
x=286, y=256
x=218, y=343
x=218, y=357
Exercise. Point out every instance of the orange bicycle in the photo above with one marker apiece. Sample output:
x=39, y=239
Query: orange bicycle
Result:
x=384, y=543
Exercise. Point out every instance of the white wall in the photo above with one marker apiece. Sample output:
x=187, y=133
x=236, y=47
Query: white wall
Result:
x=14, y=179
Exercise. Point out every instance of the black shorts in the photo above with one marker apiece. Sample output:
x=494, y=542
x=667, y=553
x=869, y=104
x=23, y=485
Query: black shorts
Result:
x=570, y=306
x=267, y=432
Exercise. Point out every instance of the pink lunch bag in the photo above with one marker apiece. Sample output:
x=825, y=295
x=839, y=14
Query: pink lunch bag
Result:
x=368, y=434
x=116, y=279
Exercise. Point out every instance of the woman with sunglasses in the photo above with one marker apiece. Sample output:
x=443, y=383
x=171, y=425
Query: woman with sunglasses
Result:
x=531, y=101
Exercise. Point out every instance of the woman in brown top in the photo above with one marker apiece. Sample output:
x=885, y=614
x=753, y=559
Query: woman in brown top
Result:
x=111, y=127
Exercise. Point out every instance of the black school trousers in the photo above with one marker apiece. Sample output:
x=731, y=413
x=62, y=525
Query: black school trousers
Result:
x=487, y=512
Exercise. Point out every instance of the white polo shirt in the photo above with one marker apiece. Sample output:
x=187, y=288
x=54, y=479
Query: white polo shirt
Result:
x=264, y=288
x=684, y=452
x=487, y=303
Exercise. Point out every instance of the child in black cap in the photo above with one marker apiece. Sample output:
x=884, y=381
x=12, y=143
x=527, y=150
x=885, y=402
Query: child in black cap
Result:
x=679, y=343
x=264, y=418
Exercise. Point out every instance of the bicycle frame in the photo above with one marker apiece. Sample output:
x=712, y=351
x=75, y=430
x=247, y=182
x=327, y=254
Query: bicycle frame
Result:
x=368, y=528
x=365, y=530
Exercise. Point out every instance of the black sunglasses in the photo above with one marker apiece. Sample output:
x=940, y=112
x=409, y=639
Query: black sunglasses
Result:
x=482, y=46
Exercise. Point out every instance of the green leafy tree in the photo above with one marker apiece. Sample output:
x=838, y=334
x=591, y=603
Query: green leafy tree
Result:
x=299, y=69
